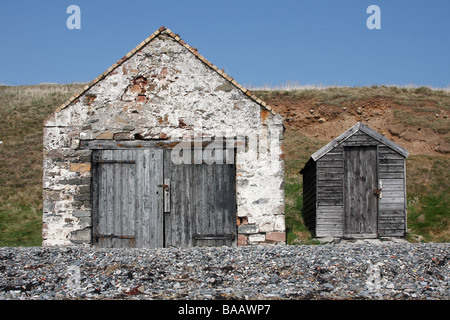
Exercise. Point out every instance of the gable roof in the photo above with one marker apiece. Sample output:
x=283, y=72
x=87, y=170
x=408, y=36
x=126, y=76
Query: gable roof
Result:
x=350, y=132
x=167, y=32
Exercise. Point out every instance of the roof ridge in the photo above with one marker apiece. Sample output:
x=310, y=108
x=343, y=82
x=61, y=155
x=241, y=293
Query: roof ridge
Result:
x=177, y=38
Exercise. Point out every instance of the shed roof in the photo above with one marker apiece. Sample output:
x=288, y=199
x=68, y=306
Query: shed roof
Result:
x=167, y=32
x=350, y=132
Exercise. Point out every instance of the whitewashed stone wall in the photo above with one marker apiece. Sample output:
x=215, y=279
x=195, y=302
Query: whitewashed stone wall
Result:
x=162, y=92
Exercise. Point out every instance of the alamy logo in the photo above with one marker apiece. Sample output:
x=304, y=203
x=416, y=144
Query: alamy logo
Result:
x=374, y=20
x=74, y=20
x=231, y=149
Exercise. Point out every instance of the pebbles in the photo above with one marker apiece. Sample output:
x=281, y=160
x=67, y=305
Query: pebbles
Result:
x=345, y=271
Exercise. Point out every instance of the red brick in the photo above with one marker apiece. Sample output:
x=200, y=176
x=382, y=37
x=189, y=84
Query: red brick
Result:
x=242, y=240
x=275, y=237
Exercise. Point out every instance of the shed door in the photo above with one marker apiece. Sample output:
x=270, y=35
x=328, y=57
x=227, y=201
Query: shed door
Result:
x=141, y=199
x=126, y=199
x=360, y=201
x=202, y=204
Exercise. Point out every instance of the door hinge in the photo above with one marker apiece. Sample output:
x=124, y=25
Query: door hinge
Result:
x=114, y=161
x=114, y=236
x=213, y=237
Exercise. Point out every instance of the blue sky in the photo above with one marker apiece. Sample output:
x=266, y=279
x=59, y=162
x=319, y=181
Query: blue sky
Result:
x=258, y=42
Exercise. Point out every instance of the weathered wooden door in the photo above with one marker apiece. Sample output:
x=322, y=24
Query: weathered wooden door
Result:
x=360, y=200
x=127, y=202
x=142, y=199
x=202, y=204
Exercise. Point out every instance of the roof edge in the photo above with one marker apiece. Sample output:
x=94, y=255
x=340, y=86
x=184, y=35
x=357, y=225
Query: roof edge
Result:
x=174, y=36
x=335, y=142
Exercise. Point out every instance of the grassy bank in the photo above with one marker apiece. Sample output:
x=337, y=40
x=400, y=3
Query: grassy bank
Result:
x=24, y=108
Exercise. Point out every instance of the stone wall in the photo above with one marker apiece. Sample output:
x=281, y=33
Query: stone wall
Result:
x=163, y=90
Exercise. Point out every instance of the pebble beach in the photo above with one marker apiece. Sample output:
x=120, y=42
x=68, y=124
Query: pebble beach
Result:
x=385, y=271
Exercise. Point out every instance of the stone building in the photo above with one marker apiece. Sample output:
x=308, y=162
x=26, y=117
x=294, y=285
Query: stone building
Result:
x=163, y=149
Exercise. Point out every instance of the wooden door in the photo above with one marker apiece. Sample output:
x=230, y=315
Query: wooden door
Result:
x=142, y=199
x=126, y=199
x=202, y=204
x=360, y=201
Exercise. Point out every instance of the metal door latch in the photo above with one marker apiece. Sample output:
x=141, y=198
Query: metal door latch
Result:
x=378, y=191
x=166, y=195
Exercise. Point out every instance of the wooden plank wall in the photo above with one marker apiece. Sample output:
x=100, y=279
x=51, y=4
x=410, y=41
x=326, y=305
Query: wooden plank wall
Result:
x=330, y=188
x=309, y=196
x=392, y=205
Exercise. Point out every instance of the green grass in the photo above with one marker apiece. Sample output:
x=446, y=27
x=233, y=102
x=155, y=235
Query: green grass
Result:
x=430, y=220
x=428, y=189
x=20, y=226
x=296, y=232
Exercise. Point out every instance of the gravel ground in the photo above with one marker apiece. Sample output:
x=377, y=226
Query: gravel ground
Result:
x=332, y=271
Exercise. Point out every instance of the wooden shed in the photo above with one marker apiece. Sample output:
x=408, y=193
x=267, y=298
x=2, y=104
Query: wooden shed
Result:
x=355, y=187
x=163, y=149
